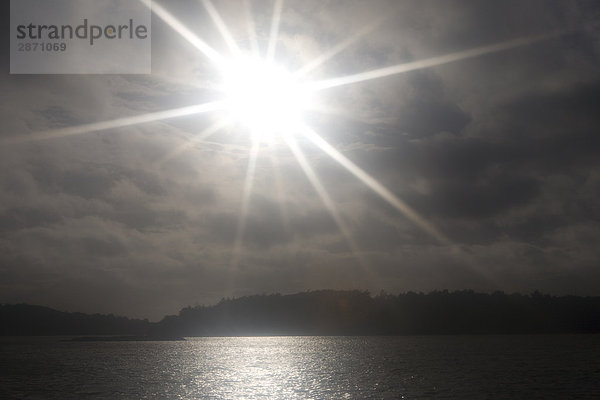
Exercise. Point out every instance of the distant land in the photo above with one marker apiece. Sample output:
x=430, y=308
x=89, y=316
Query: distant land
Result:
x=328, y=312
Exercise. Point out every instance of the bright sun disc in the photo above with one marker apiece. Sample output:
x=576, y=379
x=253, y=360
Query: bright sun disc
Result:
x=264, y=97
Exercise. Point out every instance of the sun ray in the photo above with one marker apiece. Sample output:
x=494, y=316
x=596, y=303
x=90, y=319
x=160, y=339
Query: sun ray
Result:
x=212, y=129
x=251, y=29
x=337, y=111
x=247, y=192
x=220, y=24
x=188, y=35
x=115, y=123
x=432, y=62
x=377, y=187
x=317, y=62
x=324, y=196
x=275, y=164
x=274, y=33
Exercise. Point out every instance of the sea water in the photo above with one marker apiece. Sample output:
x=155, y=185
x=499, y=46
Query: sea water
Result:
x=401, y=367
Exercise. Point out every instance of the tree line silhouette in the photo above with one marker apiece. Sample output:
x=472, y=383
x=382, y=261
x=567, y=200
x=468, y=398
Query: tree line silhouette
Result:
x=30, y=320
x=330, y=312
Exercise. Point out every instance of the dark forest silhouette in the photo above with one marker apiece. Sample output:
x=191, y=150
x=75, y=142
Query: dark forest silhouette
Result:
x=28, y=320
x=329, y=312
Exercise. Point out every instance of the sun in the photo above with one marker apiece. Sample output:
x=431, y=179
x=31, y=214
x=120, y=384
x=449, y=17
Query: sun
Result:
x=263, y=97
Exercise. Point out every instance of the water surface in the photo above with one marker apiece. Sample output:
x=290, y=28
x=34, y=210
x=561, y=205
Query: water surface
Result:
x=409, y=367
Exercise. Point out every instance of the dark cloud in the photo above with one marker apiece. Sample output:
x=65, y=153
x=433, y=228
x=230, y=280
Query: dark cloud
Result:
x=422, y=118
x=479, y=199
x=18, y=218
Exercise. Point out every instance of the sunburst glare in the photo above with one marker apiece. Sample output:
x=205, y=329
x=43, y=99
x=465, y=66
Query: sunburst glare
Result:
x=263, y=97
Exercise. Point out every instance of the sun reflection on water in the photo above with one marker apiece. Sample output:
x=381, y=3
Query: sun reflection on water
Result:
x=252, y=367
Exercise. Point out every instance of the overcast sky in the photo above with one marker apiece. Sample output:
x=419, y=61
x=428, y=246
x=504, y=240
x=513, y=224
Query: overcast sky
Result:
x=500, y=153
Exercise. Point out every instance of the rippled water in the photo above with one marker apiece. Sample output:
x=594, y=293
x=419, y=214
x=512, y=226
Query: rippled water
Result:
x=413, y=367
